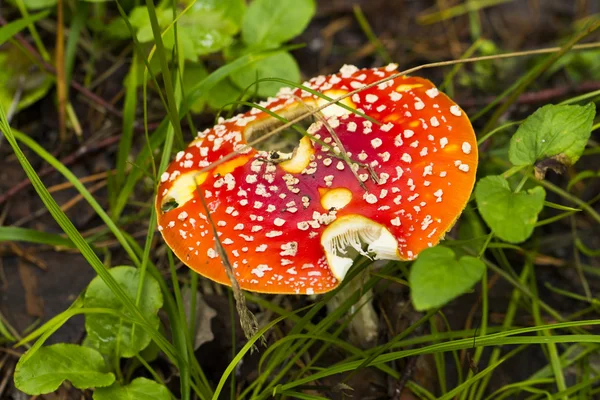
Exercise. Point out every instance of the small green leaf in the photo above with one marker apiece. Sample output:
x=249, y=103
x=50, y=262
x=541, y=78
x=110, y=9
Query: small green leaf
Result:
x=108, y=333
x=553, y=132
x=281, y=65
x=512, y=216
x=437, y=277
x=138, y=389
x=47, y=368
x=268, y=23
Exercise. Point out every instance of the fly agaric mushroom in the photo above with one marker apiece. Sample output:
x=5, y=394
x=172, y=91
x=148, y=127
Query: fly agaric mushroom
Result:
x=293, y=222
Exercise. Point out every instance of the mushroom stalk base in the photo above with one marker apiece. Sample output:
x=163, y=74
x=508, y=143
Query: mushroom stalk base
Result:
x=364, y=326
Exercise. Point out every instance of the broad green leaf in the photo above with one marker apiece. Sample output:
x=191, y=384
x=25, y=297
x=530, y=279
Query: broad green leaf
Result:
x=14, y=27
x=512, y=216
x=138, y=389
x=232, y=10
x=48, y=367
x=268, y=23
x=437, y=277
x=556, y=132
x=203, y=29
x=281, y=65
x=109, y=334
x=201, y=34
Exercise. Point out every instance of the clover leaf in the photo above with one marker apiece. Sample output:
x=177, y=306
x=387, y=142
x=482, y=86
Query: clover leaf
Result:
x=46, y=369
x=555, y=135
x=437, y=277
x=512, y=216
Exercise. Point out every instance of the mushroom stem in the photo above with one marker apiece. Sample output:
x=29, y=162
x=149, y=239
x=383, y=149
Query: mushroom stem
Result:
x=364, y=325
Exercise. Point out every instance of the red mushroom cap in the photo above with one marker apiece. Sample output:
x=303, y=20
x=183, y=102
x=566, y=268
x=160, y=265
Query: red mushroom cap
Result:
x=294, y=226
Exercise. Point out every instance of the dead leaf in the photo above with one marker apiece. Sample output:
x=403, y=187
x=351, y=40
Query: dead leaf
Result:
x=557, y=163
x=33, y=303
x=203, y=317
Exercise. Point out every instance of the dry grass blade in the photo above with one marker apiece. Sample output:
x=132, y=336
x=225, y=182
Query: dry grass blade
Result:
x=61, y=79
x=391, y=77
x=247, y=318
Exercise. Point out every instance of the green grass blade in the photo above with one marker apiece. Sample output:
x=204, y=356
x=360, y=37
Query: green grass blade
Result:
x=498, y=339
x=166, y=74
x=77, y=24
x=466, y=385
x=14, y=27
x=85, y=249
x=240, y=355
x=16, y=234
x=302, y=396
x=56, y=164
x=5, y=332
x=551, y=347
x=129, y=107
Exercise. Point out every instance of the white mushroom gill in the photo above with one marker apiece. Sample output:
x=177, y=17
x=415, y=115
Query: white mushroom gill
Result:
x=346, y=238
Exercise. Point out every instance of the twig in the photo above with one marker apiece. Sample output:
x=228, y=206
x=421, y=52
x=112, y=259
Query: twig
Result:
x=16, y=250
x=406, y=375
x=6, y=378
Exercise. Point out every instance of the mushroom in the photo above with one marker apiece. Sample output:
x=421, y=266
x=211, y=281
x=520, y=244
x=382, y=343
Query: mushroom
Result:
x=294, y=222
x=386, y=186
